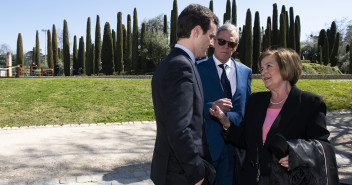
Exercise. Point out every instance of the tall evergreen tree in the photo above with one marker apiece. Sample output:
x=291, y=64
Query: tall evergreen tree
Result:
x=298, y=35
x=92, y=56
x=227, y=14
x=248, y=46
x=211, y=49
x=347, y=48
x=75, y=56
x=50, y=51
x=256, y=42
x=107, y=53
x=335, y=50
x=37, y=50
x=55, y=48
x=351, y=57
x=33, y=55
x=332, y=36
x=282, y=40
x=89, y=60
x=292, y=30
x=143, y=46
x=135, y=51
x=267, y=39
x=321, y=54
x=125, y=56
x=174, y=17
x=234, y=13
x=97, y=46
x=321, y=37
x=166, y=29
x=114, y=49
x=326, y=56
x=119, y=44
x=275, y=30
x=129, y=44
x=19, y=52
x=211, y=5
x=81, y=57
x=288, y=41
x=66, y=50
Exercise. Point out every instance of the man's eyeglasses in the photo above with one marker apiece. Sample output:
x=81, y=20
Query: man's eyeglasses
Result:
x=230, y=44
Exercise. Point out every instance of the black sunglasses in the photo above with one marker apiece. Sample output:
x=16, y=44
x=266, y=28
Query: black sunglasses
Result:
x=230, y=44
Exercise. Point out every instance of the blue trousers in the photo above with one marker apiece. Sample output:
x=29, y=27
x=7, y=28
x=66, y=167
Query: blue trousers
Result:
x=225, y=166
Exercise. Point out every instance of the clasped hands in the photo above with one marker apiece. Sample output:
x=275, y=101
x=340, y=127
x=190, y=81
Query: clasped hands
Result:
x=219, y=109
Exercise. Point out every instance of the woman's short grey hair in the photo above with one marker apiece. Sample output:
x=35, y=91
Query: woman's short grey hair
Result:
x=228, y=27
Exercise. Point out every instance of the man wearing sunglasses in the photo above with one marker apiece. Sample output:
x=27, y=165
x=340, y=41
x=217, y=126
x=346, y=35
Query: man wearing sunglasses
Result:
x=226, y=84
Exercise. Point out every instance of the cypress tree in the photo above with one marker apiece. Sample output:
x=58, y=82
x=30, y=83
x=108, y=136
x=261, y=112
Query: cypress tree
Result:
x=107, y=53
x=211, y=5
x=292, y=30
x=174, y=17
x=33, y=55
x=298, y=35
x=351, y=58
x=234, y=13
x=97, y=46
x=320, y=54
x=92, y=56
x=55, y=48
x=326, y=56
x=275, y=30
x=129, y=44
x=135, y=51
x=119, y=44
x=267, y=43
x=211, y=49
x=227, y=15
x=66, y=50
x=256, y=42
x=282, y=40
x=37, y=50
x=114, y=49
x=50, y=51
x=240, y=48
x=81, y=57
x=19, y=52
x=143, y=46
x=321, y=37
x=166, y=29
x=248, y=46
x=75, y=56
x=59, y=52
x=124, y=47
x=347, y=48
x=88, y=60
x=335, y=50
x=288, y=43
x=332, y=36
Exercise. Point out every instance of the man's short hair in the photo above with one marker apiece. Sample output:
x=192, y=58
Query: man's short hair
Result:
x=228, y=27
x=193, y=15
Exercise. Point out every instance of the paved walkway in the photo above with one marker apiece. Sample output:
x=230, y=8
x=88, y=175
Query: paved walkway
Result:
x=118, y=153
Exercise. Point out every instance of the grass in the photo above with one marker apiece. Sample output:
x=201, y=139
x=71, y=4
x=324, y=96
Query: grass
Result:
x=48, y=101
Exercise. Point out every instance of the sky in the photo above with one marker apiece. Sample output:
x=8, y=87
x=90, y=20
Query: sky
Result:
x=26, y=17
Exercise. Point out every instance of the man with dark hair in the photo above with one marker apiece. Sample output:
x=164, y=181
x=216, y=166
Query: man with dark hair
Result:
x=180, y=153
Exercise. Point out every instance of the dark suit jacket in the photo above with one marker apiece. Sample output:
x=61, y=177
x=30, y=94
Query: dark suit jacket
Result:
x=213, y=91
x=180, y=146
x=301, y=117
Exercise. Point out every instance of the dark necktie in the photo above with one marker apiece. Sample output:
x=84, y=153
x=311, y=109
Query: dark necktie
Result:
x=225, y=82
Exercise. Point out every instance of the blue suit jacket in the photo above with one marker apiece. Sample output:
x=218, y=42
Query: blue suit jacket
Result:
x=213, y=91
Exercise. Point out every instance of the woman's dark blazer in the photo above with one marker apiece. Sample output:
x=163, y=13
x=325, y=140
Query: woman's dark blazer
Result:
x=302, y=117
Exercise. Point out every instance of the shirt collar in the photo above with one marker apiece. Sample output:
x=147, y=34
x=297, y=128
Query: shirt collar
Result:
x=229, y=63
x=189, y=52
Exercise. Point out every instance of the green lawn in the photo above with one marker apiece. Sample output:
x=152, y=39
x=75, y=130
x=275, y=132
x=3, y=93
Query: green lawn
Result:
x=48, y=101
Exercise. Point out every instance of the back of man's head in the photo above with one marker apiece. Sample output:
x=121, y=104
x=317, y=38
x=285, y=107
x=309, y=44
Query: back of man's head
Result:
x=193, y=15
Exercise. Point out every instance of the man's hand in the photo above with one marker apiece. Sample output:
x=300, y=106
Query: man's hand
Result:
x=200, y=182
x=224, y=104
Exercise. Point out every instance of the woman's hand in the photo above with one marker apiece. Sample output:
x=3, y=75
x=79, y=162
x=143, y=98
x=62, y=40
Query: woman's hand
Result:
x=284, y=161
x=217, y=112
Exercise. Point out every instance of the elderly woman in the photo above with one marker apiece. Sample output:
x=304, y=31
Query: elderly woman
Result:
x=283, y=130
